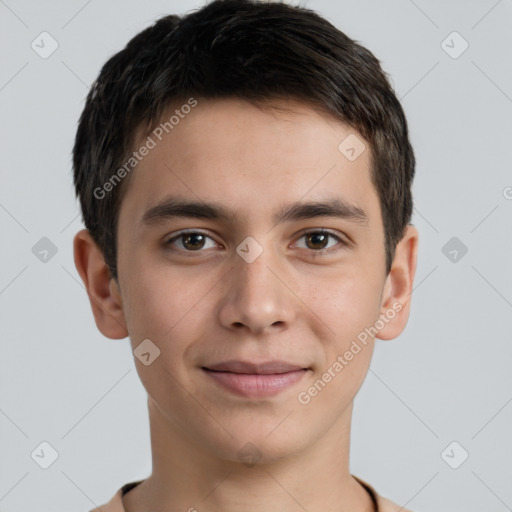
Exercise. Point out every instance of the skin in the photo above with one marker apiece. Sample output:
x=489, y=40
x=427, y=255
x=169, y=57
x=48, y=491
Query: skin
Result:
x=292, y=303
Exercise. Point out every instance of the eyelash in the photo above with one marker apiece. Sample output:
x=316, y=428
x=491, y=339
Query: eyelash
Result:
x=342, y=242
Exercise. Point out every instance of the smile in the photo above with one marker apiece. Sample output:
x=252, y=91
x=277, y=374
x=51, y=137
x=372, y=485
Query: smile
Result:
x=255, y=381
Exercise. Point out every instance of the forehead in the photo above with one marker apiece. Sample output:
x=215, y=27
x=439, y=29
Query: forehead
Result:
x=250, y=159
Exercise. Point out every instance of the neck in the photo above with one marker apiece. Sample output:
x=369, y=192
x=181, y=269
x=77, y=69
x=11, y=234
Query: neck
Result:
x=186, y=477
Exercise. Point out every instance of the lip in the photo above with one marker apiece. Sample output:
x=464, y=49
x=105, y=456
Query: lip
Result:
x=255, y=380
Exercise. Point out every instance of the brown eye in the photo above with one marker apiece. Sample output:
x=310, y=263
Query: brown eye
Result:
x=191, y=241
x=317, y=240
x=321, y=241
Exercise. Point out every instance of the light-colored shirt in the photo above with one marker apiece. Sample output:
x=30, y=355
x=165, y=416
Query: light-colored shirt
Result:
x=380, y=503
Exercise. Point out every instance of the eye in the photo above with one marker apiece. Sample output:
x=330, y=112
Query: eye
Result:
x=318, y=240
x=191, y=241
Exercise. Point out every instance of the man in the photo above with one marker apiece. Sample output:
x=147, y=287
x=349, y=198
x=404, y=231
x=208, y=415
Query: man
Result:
x=245, y=174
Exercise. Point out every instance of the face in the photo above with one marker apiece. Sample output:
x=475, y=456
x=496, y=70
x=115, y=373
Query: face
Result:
x=255, y=294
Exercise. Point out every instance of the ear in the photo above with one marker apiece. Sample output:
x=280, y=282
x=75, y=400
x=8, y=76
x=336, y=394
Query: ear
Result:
x=396, y=296
x=102, y=288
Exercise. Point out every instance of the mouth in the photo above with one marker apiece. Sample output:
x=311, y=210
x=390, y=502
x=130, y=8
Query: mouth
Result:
x=255, y=380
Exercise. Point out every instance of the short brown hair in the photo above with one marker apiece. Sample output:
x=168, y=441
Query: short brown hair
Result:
x=247, y=49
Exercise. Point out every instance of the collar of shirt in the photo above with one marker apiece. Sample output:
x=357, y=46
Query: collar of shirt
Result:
x=380, y=503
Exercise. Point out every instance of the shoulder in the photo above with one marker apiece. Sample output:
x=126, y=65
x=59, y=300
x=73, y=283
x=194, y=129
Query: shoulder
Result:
x=382, y=504
x=116, y=503
x=386, y=505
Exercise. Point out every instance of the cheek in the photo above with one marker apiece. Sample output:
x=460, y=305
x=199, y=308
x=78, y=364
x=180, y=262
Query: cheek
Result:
x=159, y=300
x=166, y=309
x=346, y=306
x=169, y=308
x=346, y=303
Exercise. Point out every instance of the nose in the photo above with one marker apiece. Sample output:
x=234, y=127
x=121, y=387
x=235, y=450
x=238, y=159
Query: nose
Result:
x=258, y=296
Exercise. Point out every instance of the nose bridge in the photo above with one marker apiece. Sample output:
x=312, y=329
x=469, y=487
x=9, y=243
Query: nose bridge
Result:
x=256, y=297
x=254, y=280
x=255, y=275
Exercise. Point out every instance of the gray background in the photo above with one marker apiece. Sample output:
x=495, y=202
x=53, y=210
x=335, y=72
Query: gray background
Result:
x=447, y=378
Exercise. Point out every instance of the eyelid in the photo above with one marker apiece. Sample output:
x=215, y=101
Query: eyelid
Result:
x=187, y=231
x=169, y=239
x=343, y=240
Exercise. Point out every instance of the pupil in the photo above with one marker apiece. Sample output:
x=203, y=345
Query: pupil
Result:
x=188, y=238
x=320, y=238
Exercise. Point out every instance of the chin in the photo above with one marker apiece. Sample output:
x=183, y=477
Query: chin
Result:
x=252, y=446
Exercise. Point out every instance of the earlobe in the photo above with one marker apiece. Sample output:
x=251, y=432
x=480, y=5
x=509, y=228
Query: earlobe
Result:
x=103, y=292
x=396, y=298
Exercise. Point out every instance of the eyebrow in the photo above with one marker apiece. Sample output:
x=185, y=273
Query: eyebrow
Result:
x=174, y=207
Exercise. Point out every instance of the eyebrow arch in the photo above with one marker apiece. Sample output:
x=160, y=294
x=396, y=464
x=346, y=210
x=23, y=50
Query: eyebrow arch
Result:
x=175, y=207
x=330, y=208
